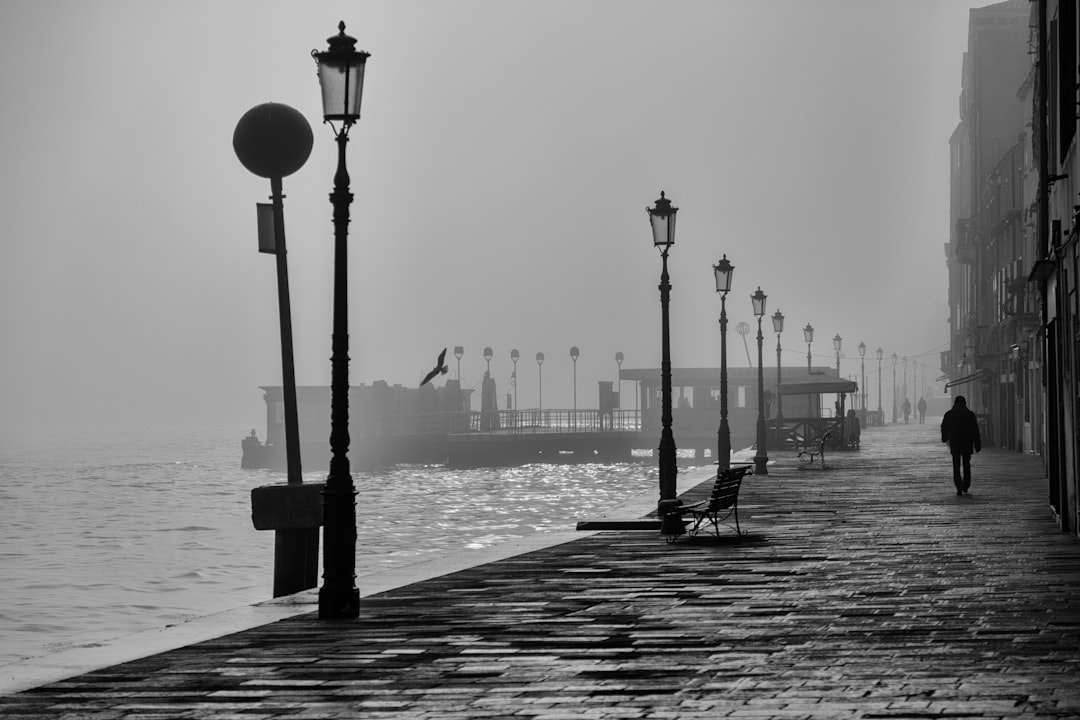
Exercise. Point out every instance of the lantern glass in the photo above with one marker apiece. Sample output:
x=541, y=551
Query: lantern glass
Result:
x=758, y=299
x=341, y=77
x=862, y=349
x=808, y=333
x=514, y=355
x=539, y=358
x=778, y=322
x=662, y=219
x=880, y=354
x=723, y=271
x=574, y=353
x=836, y=342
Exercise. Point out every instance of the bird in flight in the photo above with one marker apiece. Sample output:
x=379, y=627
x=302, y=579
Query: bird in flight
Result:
x=439, y=369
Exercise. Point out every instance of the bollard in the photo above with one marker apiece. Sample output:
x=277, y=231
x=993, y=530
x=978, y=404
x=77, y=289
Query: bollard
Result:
x=294, y=513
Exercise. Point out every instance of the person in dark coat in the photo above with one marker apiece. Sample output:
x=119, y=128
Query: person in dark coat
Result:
x=960, y=428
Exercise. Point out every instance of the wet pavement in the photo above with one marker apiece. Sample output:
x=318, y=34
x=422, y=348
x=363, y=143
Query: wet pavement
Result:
x=868, y=589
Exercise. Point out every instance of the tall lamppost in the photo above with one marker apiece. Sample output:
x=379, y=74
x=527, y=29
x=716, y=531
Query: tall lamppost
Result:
x=341, y=78
x=574, y=354
x=723, y=272
x=836, y=343
x=862, y=370
x=894, y=357
x=778, y=327
x=808, y=336
x=274, y=140
x=514, y=356
x=618, y=378
x=761, y=458
x=662, y=220
x=904, y=363
x=540, y=372
x=458, y=352
x=880, y=354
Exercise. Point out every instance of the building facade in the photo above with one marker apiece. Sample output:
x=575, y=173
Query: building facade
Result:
x=1012, y=250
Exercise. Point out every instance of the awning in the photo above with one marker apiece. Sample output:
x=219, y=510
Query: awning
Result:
x=817, y=384
x=982, y=374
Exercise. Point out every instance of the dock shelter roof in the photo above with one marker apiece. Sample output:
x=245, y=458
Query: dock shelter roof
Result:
x=818, y=384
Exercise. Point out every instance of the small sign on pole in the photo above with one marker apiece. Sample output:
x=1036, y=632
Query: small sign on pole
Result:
x=265, y=213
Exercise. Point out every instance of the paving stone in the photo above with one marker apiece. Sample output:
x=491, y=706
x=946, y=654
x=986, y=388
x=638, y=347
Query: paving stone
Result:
x=867, y=590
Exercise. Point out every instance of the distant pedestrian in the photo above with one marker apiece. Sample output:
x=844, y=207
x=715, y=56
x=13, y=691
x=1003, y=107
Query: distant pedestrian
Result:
x=852, y=431
x=922, y=410
x=906, y=407
x=960, y=428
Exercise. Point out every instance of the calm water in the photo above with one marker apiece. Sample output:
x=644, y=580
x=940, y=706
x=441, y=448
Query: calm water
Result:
x=106, y=535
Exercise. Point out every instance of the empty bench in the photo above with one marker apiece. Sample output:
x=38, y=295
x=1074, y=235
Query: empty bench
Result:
x=722, y=505
x=809, y=455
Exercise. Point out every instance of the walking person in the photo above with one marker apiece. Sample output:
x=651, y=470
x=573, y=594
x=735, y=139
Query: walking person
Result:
x=906, y=407
x=922, y=410
x=960, y=428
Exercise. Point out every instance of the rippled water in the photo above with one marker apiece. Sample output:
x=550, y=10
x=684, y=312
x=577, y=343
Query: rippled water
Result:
x=106, y=535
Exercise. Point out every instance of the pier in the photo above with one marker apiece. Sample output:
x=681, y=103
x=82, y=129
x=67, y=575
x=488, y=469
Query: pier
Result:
x=865, y=590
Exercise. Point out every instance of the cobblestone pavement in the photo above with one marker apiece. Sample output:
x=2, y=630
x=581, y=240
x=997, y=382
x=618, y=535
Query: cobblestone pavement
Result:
x=865, y=590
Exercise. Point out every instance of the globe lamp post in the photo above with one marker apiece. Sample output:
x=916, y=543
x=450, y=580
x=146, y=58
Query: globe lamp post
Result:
x=662, y=220
x=341, y=78
x=274, y=140
x=723, y=271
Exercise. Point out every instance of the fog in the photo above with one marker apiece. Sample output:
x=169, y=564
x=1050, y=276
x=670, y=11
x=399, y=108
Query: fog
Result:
x=502, y=166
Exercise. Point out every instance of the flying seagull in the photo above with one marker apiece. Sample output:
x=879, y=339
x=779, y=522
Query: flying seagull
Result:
x=439, y=369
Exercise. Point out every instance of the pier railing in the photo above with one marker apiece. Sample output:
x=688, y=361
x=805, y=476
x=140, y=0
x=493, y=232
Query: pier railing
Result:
x=533, y=421
x=518, y=422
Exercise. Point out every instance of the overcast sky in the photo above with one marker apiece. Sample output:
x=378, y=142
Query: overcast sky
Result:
x=502, y=167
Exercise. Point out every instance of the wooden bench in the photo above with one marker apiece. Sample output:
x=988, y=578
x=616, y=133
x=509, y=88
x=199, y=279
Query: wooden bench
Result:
x=808, y=455
x=723, y=503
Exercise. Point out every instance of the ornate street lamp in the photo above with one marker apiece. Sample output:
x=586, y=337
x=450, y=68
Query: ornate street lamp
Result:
x=808, y=336
x=514, y=356
x=662, y=220
x=723, y=272
x=761, y=458
x=458, y=352
x=488, y=354
x=618, y=378
x=836, y=343
x=904, y=363
x=894, y=357
x=341, y=78
x=880, y=354
x=540, y=371
x=862, y=369
x=778, y=327
x=574, y=354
